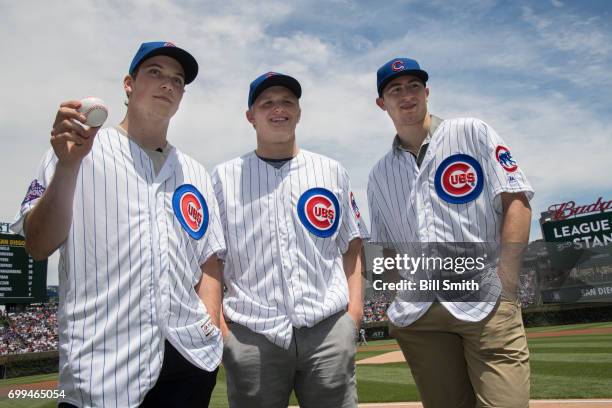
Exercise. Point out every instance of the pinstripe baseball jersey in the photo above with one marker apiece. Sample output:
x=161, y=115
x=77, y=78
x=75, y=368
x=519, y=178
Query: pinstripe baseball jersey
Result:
x=286, y=230
x=453, y=197
x=128, y=269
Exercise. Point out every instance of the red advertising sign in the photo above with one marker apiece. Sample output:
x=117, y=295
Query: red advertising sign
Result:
x=569, y=209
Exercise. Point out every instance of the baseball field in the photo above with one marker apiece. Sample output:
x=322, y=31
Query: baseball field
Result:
x=572, y=362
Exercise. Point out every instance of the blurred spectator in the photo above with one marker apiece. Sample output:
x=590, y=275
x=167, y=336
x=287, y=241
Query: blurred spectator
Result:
x=528, y=288
x=32, y=330
x=375, y=307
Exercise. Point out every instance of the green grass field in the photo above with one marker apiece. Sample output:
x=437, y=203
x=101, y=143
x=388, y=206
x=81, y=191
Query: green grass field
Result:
x=544, y=329
x=561, y=367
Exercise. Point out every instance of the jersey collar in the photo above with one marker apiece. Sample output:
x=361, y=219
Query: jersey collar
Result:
x=435, y=122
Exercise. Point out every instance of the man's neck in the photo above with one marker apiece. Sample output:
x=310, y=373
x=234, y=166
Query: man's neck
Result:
x=411, y=136
x=277, y=150
x=149, y=133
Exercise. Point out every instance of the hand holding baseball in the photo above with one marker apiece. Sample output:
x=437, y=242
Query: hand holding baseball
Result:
x=71, y=140
x=95, y=111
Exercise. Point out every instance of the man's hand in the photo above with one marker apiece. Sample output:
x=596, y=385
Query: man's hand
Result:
x=514, y=238
x=356, y=314
x=47, y=225
x=210, y=288
x=224, y=327
x=352, y=269
x=70, y=138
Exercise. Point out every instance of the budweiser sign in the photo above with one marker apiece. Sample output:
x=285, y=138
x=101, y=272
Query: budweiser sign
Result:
x=569, y=209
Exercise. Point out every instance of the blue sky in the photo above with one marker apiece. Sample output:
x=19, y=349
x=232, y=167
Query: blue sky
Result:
x=539, y=72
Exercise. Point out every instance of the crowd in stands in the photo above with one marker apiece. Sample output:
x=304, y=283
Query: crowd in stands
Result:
x=32, y=330
x=528, y=288
x=375, y=307
x=35, y=328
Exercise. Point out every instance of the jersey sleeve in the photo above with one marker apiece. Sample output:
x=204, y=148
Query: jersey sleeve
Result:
x=352, y=225
x=35, y=191
x=213, y=242
x=220, y=201
x=501, y=169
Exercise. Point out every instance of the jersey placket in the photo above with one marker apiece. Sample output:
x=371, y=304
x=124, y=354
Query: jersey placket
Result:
x=149, y=239
x=282, y=239
x=422, y=185
x=292, y=270
x=159, y=232
x=415, y=197
x=423, y=189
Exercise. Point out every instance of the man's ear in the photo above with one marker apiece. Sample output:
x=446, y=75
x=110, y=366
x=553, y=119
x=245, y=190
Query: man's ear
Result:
x=250, y=117
x=381, y=103
x=127, y=84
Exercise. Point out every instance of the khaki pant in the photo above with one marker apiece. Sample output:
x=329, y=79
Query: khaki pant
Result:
x=459, y=364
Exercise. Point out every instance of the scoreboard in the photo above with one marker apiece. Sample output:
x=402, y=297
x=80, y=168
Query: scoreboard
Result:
x=587, y=231
x=22, y=280
x=579, y=247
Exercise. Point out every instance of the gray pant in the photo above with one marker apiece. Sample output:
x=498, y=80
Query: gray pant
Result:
x=319, y=366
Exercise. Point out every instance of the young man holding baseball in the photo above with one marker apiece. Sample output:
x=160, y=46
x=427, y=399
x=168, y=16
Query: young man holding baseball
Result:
x=138, y=230
x=452, y=186
x=292, y=269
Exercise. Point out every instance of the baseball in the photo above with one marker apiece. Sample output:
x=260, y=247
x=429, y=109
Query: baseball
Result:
x=94, y=110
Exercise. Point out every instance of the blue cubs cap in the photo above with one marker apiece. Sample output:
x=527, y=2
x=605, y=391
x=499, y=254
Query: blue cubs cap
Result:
x=265, y=81
x=398, y=67
x=151, y=49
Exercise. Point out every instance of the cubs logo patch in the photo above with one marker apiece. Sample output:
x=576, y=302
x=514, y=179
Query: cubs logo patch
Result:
x=191, y=210
x=354, y=205
x=503, y=156
x=34, y=191
x=459, y=179
x=319, y=211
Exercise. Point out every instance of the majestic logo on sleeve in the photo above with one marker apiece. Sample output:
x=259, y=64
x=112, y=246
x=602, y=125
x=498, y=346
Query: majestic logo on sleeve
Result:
x=459, y=179
x=354, y=205
x=34, y=191
x=319, y=211
x=191, y=210
x=503, y=156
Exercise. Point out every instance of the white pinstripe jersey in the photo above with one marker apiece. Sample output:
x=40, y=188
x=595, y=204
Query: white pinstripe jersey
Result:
x=286, y=230
x=127, y=271
x=432, y=204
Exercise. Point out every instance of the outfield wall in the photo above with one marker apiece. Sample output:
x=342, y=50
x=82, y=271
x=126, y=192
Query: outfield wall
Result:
x=543, y=315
